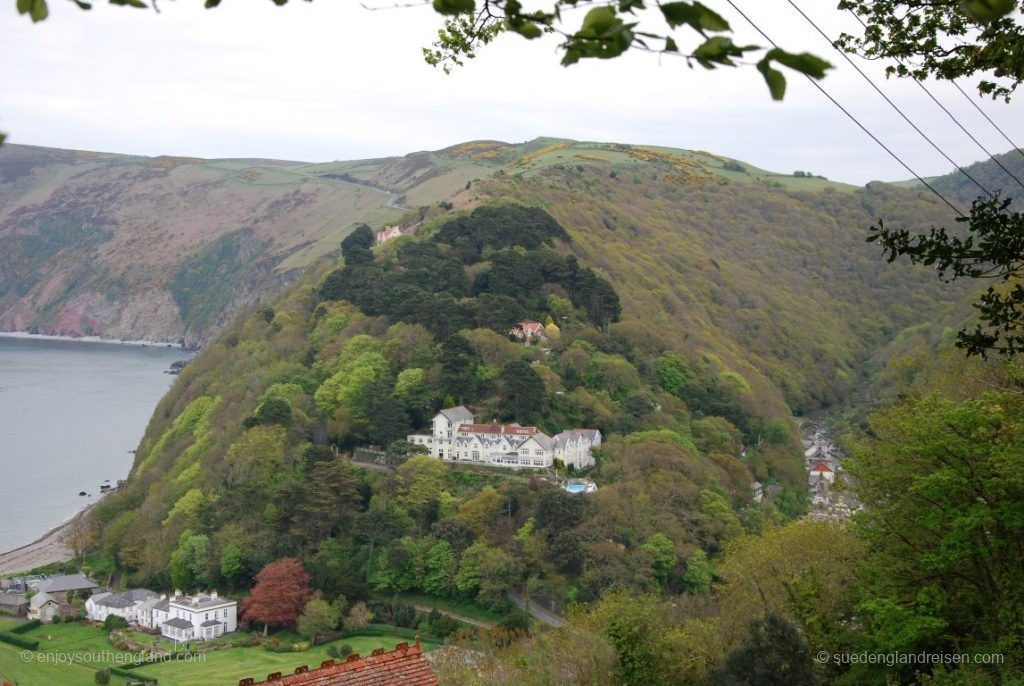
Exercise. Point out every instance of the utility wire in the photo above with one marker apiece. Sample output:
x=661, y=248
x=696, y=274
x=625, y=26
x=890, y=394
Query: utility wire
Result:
x=950, y=114
x=853, y=118
x=889, y=100
x=989, y=119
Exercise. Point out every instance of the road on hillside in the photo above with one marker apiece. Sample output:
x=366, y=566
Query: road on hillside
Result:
x=536, y=611
x=455, y=615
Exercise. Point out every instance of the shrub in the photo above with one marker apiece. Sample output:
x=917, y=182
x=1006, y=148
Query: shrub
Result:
x=333, y=651
x=113, y=622
x=300, y=646
x=444, y=626
x=26, y=626
x=17, y=640
x=103, y=676
x=56, y=619
x=345, y=650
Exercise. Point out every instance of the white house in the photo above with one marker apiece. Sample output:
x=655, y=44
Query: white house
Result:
x=198, y=617
x=822, y=471
x=128, y=605
x=444, y=427
x=573, y=447
x=527, y=331
x=387, y=233
x=43, y=606
x=455, y=436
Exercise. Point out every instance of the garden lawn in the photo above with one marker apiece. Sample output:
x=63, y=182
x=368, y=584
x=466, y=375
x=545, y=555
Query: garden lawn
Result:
x=15, y=670
x=229, y=665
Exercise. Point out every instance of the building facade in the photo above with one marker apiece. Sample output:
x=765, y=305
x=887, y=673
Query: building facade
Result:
x=455, y=436
x=197, y=617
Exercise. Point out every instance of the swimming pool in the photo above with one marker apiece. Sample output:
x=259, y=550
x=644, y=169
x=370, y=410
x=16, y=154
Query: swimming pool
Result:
x=575, y=488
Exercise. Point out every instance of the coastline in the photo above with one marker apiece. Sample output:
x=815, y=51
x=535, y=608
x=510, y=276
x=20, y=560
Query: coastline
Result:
x=45, y=550
x=25, y=335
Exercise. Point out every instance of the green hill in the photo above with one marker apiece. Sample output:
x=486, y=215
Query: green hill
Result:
x=957, y=187
x=699, y=303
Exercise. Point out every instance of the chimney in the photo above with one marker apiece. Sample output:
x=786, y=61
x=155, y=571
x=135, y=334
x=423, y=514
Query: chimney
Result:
x=213, y=594
x=177, y=593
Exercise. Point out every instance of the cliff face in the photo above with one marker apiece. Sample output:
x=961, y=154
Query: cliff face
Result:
x=165, y=249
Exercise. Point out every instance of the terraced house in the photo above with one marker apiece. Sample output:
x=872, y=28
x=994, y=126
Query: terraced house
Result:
x=455, y=436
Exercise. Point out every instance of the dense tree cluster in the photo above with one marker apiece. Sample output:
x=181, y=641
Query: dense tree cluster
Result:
x=506, y=248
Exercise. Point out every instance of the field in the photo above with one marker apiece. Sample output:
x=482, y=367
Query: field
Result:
x=219, y=667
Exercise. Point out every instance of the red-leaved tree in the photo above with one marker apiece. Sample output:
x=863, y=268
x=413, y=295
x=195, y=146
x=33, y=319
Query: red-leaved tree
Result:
x=281, y=591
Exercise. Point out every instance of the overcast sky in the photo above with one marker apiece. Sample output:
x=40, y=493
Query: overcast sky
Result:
x=329, y=80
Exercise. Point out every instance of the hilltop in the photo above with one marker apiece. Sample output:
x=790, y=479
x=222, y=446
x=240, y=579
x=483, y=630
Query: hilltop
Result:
x=167, y=248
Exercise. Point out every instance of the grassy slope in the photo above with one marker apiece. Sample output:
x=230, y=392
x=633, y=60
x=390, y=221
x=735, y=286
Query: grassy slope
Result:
x=224, y=666
x=957, y=187
x=777, y=284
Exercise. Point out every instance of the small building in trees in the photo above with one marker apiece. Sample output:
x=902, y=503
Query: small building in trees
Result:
x=387, y=233
x=528, y=331
x=822, y=472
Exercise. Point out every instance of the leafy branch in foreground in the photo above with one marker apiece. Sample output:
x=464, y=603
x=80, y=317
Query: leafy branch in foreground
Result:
x=991, y=248
x=945, y=39
x=607, y=30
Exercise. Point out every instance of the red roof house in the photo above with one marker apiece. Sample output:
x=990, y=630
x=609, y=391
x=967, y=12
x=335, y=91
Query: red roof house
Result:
x=404, y=666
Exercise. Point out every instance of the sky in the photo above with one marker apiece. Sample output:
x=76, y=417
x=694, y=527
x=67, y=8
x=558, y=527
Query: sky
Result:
x=331, y=80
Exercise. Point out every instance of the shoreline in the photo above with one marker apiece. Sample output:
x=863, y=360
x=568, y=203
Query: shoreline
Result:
x=44, y=550
x=25, y=335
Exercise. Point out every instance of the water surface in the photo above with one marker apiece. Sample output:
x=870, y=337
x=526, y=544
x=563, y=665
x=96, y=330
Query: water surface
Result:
x=70, y=413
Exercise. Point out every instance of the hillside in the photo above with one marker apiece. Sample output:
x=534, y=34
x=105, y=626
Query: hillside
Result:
x=167, y=248
x=957, y=187
x=698, y=302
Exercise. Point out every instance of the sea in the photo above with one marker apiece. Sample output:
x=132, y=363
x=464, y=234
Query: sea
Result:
x=71, y=413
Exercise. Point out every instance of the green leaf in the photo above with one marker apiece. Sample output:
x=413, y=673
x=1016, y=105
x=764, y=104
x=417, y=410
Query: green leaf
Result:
x=670, y=44
x=35, y=9
x=599, y=20
x=454, y=6
x=210, y=4
x=82, y=5
x=773, y=77
x=805, y=63
x=3, y=137
x=988, y=10
x=130, y=3
x=695, y=15
x=527, y=29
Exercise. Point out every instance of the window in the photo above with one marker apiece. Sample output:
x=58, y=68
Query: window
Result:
x=538, y=463
x=538, y=452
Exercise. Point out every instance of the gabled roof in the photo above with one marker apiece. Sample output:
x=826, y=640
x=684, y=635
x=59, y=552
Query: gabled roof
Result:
x=457, y=414
x=500, y=429
x=211, y=622
x=404, y=666
x=40, y=599
x=12, y=599
x=178, y=623
x=821, y=467
x=97, y=598
x=67, y=582
x=126, y=598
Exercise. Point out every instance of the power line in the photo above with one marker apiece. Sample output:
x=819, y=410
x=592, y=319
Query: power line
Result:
x=950, y=114
x=853, y=118
x=888, y=100
x=989, y=119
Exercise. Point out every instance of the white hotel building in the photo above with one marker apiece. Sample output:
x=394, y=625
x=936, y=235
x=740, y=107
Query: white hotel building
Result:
x=455, y=436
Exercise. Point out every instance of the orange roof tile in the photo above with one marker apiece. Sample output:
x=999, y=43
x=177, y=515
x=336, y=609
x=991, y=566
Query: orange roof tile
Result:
x=404, y=666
